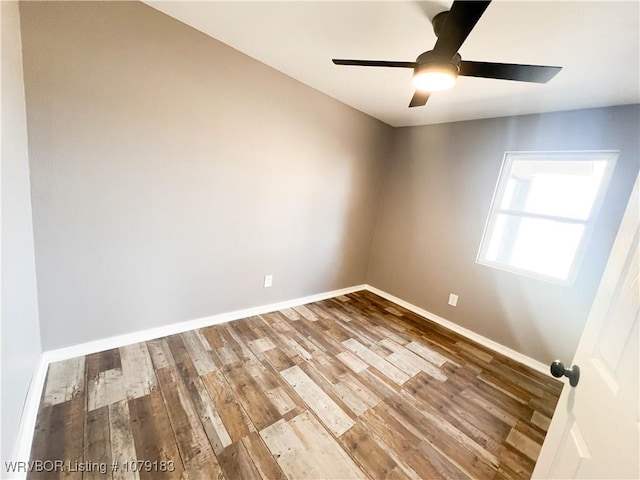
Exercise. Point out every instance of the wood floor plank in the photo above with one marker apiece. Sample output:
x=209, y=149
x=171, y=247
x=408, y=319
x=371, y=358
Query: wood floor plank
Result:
x=427, y=353
x=486, y=431
x=213, y=336
x=43, y=439
x=526, y=438
x=253, y=400
x=472, y=419
x=261, y=345
x=262, y=459
x=278, y=359
x=372, y=458
x=355, y=395
x=490, y=407
x=391, y=335
x=73, y=428
x=245, y=331
x=222, y=351
x=153, y=437
x=106, y=388
x=459, y=449
x=523, y=444
x=499, y=399
x=330, y=369
x=290, y=314
x=356, y=404
x=544, y=405
x=393, y=311
x=271, y=387
x=402, y=443
x=209, y=417
x=97, y=445
x=137, y=369
x=67, y=432
x=333, y=417
x=321, y=312
x=339, y=315
x=199, y=351
x=123, y=448
x=410, y=362
x=65, y=380
x=276, y=322
x=360, y=331
x=351, y=361
x=227, y=355
x=532, y=386
x=392, y=372
x=197, y=455
x=234, y=343
x=233, y=418
x=444, y=465
x=101, y=362
x=506, y=387
x=540, y=420
x=160, y=353
x=514, y=464
x=64, y=422
x=297, y=348
x=236, y=462
x=304, y=449
x=475, y=351
x=378, y=383
x=321, y=338
x=306, y=313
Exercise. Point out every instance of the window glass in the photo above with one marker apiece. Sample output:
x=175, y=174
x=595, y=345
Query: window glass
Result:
x=555, y=188
x=544, y=207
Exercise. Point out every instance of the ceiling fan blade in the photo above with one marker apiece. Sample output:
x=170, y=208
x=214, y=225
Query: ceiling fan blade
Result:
x=509, y=71
x=419, y=99
x=374, y=63
x=461, y=19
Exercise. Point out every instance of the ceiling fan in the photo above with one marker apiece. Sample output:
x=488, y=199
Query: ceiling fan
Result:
x=438, y=69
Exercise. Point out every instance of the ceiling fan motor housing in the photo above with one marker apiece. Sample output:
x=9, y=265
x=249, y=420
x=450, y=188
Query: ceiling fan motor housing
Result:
x=434, y=73
x=430, y=59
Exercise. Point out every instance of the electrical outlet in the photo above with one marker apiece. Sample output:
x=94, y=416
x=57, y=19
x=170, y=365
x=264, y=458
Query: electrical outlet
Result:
x=268, y=281
x=453, y=299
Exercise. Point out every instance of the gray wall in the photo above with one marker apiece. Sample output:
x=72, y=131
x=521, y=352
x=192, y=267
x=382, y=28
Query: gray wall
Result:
x=171, y=172
x=436, y=200
x=19, y=330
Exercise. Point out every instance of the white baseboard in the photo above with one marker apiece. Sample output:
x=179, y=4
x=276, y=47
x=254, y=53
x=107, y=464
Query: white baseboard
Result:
x=27, y=425
x=476, y=337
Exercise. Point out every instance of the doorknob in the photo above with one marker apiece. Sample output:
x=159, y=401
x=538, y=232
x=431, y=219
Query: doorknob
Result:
x=573, y=374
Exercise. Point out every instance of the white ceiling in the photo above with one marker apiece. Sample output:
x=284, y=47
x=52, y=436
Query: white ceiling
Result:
x=597, y=43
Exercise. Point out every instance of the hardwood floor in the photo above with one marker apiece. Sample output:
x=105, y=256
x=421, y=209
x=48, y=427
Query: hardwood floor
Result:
x=350, y=387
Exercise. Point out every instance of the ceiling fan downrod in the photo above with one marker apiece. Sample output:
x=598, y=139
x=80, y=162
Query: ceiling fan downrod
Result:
x=438, y=22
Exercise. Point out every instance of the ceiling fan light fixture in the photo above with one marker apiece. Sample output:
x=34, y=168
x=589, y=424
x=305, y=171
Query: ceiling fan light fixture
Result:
x=435, y=77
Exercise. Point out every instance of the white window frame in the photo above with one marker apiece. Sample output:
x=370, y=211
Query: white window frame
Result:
x=611, y=156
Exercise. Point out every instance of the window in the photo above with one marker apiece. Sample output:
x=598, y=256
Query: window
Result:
x=543, y=211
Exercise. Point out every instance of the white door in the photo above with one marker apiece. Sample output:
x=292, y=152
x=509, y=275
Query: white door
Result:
x=595, y=429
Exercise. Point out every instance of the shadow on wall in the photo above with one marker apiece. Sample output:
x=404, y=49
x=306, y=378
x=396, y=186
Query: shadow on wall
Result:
x=343, y=222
